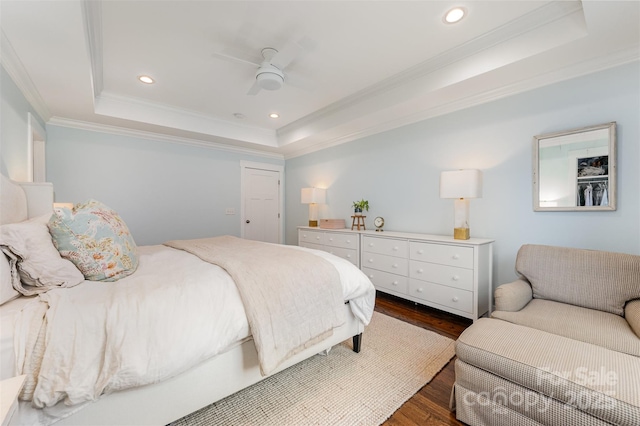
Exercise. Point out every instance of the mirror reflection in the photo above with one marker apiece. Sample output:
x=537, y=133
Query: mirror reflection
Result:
x=575, y=170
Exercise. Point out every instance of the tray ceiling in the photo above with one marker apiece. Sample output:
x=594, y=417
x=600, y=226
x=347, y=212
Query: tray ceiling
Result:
x=359, y=68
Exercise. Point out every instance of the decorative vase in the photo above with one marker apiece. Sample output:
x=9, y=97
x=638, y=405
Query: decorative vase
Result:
x=358, y=211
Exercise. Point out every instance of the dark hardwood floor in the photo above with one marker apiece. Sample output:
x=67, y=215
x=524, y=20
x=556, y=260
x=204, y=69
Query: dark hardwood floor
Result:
x=430, y=406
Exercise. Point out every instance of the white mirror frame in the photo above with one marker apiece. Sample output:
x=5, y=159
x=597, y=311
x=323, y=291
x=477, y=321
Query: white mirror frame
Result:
x=606, y=182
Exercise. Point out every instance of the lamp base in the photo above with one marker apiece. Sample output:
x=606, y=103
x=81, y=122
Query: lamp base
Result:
x=313, y=223
x=460, y=233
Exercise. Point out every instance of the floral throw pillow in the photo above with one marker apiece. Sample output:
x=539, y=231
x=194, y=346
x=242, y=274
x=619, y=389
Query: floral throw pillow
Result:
x=95, y=239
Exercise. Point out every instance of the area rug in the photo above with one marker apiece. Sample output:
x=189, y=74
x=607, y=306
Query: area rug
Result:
x=342, y=388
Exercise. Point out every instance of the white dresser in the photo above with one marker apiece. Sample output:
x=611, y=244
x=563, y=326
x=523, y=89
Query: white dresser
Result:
x=341, y=242
x=434, y=270
x=437, y=271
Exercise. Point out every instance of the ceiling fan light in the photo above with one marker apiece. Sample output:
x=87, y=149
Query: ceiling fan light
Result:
x=270, y=80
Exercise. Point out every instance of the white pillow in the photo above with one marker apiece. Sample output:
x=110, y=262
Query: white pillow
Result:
x=7, y=292
x=29, y=247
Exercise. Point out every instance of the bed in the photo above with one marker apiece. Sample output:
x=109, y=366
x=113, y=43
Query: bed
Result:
x=216, y=369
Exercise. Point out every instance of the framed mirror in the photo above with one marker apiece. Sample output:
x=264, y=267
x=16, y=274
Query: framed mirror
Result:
x=575, y=170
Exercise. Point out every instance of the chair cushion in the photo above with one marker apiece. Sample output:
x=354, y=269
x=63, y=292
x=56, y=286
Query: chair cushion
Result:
x=601, y=382
x=632, y=315
x=586, y=325
x=592, y=279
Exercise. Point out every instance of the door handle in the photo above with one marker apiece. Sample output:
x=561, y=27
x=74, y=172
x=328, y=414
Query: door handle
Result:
x=248, y=221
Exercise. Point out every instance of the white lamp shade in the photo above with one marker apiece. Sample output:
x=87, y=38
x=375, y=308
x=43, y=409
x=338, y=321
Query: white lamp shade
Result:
x=461, y=184
x=313, y=195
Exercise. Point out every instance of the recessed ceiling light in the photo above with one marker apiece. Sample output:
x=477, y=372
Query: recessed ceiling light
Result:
x=454, y=15
x=146, y=79
x=274, y=115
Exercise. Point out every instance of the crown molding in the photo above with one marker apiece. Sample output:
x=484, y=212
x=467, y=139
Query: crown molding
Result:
x=534, y=20
x=18, y=73
x=158, y=114
x=92, y=18
x=141, y=134
x=601, y=63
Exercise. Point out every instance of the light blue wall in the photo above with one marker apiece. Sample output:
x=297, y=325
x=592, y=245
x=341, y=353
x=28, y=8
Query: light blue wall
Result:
x=162, y=190
x=398, y=171
x=14, y=133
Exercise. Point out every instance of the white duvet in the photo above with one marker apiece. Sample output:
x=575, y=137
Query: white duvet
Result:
x=172, y=313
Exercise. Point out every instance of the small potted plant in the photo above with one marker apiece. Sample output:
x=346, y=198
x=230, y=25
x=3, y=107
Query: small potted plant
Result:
x=360, y=206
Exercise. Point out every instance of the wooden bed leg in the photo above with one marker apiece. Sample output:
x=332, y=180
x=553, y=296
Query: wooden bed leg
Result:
x=357, y=343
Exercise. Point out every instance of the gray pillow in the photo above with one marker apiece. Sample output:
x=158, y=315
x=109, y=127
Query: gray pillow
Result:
x=29, y=248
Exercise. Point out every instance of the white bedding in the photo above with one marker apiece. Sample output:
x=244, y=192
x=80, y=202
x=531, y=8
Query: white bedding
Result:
x=192, y=328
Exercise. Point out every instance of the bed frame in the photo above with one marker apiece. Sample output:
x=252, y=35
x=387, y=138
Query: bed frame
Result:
x=211, y=381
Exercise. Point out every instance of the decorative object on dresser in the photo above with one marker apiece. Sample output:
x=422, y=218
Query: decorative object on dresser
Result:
x=437, y=271
x=357, y=221
x=378, y=222
x=360, y=206
x=342, y=243
x=313, y=197
x=332, y=224
x=461, y=185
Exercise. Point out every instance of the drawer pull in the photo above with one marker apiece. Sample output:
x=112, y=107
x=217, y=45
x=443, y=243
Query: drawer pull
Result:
x=370, y=260
x=395, y=265
x=420, y=270
x=454, y=299
x=348, y=256
x=395, y=248
x=370, y=244
x=304, y=235
x=420, y=290
x=455, y=278
x=420, y=251
x=371, y=276
x=318, y=237
x=348, y=241
x=330, y=238
x=395, y=283
x=456, y=256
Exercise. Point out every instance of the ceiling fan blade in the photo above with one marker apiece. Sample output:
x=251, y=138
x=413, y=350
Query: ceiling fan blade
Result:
x=291, y=51
x=254, y=89
x=235, y=55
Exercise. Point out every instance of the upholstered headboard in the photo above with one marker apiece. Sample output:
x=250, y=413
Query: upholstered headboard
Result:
x=20, y=201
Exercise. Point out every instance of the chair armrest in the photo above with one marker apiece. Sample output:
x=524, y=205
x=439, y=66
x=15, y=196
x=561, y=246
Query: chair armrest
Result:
x=632, y=315
x=513, y=296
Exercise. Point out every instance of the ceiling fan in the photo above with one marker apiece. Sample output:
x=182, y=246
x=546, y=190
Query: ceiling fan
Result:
x=270, y=72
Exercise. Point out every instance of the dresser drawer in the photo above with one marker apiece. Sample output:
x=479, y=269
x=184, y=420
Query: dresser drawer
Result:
x=314, y=237
x=447, y=296
x=387, y=281
x=381, y=262
x=350, y=254
x=442, y=274
x=387, y=246
x=335, y=239
x=442, y=253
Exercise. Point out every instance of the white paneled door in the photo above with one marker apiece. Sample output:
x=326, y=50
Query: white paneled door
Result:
x=261, y=219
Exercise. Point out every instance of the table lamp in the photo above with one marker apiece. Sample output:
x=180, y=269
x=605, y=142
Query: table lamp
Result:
x=461, y=185
x=313, y=197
